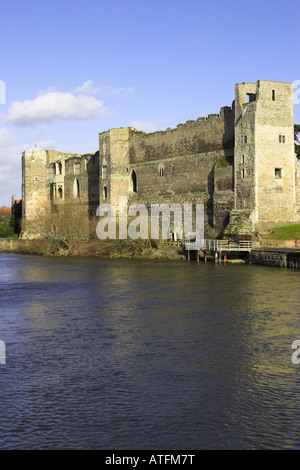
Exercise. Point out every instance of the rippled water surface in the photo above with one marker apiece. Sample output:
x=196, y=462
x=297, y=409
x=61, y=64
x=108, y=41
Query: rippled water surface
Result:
x=127, y=354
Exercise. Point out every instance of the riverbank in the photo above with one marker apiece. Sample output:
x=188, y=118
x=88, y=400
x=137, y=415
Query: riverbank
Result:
x=110, y=249
x=278, y=254
x=97, y=248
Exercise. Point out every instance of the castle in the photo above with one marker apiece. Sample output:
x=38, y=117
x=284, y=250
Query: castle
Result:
x=240, y=163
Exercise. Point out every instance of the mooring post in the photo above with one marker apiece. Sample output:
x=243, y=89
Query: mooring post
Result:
x=189, y=255
x=216, y=256
x=198, y=255
x=225, y=257
x=205, y=256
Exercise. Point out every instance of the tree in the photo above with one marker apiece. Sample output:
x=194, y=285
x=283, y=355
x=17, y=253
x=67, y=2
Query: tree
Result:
x=68, y=227
x=63, y=229
x=6, y=230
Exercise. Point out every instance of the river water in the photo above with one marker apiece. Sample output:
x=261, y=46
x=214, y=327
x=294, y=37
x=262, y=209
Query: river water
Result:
x=138, y=354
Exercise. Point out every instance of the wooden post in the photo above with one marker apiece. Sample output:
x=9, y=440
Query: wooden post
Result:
x=198, y=255
x=189, y=255
x=216, y=256
x=225, y=257
x=205, y=256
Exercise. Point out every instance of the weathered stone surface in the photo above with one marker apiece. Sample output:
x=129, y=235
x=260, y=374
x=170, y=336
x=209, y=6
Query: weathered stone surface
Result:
x=192, y=162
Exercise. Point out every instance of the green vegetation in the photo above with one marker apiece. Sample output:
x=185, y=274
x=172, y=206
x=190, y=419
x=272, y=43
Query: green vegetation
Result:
x=286, y=232
x=6, y=230
x=224, y=162
x=69, y=231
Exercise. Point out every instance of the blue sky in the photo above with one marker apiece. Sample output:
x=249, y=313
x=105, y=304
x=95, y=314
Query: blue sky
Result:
x=73, y=69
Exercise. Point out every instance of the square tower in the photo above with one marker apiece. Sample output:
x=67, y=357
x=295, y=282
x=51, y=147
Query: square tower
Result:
x=265, y=161
x=35, y=194
x=114, y=149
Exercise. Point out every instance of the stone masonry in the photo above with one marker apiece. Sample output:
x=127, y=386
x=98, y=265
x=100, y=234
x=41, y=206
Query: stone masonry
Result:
x=240, y=161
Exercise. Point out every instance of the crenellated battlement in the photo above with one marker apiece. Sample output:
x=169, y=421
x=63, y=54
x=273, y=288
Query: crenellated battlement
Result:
x=206, y=134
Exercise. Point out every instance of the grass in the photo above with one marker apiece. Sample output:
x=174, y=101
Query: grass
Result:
x=9, y=237
x=286, y=232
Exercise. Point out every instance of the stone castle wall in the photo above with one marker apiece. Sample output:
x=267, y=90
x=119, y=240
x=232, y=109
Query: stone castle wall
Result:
x=225, y=161
x=214, y=133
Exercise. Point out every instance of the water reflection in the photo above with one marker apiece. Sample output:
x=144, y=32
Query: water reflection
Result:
x=138, y=354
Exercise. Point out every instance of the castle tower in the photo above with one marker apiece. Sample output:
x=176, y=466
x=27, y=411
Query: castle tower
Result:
x=114, y=165
x=264, y=155
x=35, y=197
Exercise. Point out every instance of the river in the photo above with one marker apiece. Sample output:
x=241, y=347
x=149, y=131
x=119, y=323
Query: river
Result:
x=143, y=354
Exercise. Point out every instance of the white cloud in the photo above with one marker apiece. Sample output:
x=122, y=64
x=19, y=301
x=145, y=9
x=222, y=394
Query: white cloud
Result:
x=5, y=173
x=120, y=91
x=88, y=88
x=7, y=137
x=52, y=106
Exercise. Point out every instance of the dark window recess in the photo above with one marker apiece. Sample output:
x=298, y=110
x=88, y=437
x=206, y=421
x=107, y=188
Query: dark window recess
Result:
x=133, y=181
x=251, y=97
x=282, y=139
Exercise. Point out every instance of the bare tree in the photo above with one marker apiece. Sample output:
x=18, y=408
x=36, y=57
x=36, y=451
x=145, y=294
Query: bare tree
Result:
x=68, y=227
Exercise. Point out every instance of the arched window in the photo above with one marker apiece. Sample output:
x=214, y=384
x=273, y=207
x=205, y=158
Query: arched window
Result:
x=104, y=193
x=161, y=170
x=60, y=192
x=76, y=188
x=133, y=182
x=104, y=172
x=59, y=168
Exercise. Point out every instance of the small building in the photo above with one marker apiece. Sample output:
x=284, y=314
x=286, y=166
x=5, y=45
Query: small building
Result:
x=5, y=213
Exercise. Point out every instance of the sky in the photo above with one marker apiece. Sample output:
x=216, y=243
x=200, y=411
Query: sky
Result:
x=71, y=69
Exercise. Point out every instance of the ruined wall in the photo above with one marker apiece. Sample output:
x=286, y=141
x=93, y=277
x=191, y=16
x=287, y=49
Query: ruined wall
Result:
x=182, y=175
x=167, y=163
x=81, y=180
x=222, y=197
x=244, y=148
x=194, y=137
x=51, y=178
x=223, y=178
x=187, y=175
